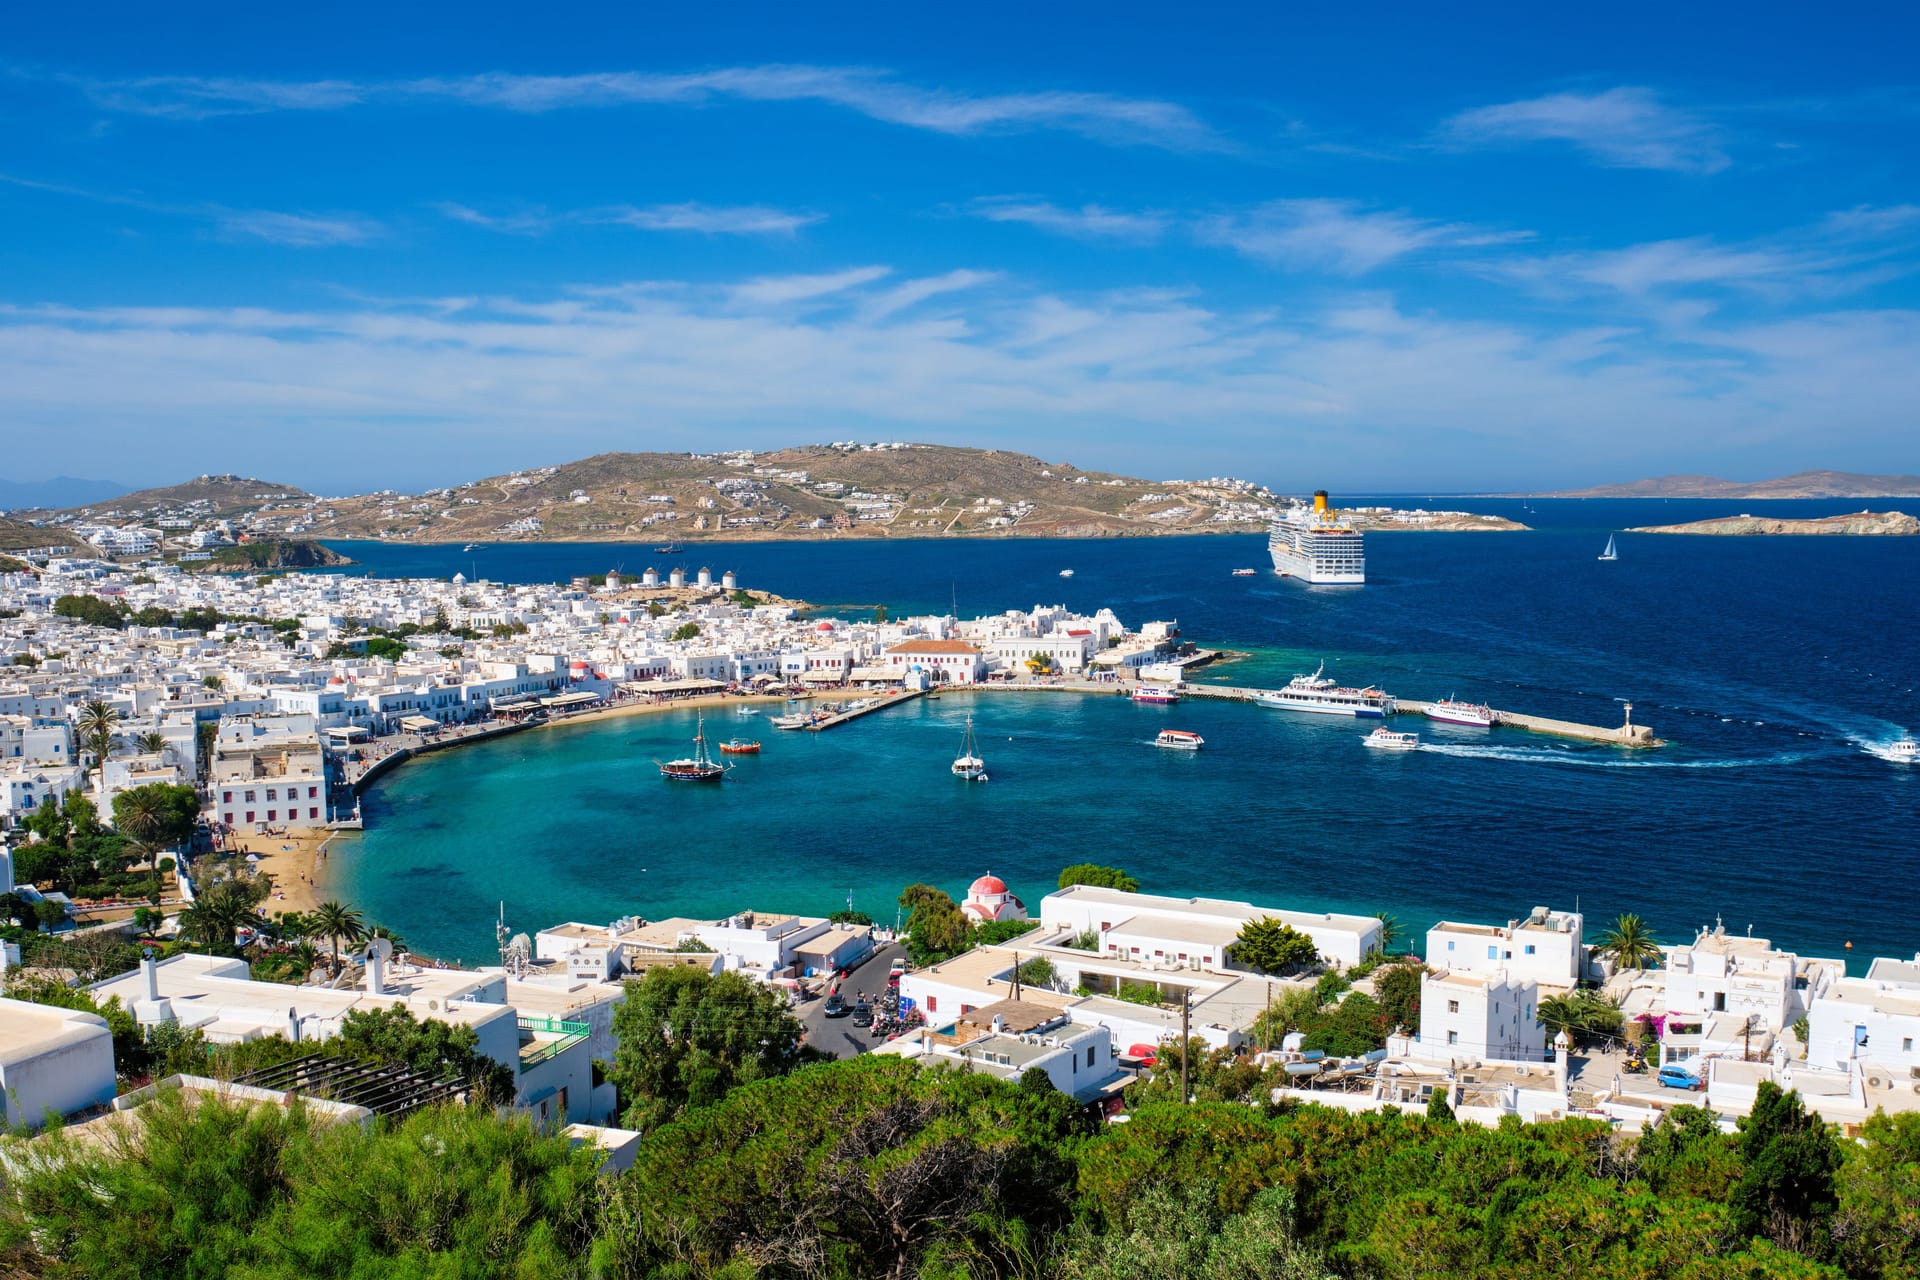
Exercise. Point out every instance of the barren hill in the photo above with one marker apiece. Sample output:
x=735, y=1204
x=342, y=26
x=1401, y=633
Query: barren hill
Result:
x=1864, y=523
x=215, y=497
x=1803, y=484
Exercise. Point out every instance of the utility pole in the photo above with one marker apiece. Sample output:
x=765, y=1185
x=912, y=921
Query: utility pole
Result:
x=1186, y=1040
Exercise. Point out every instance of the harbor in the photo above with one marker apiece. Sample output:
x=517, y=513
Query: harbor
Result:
x=1627, y=735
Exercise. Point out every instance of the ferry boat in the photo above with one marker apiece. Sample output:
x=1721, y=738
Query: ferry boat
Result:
x=740, y=747
x=1385, y=739
x=699, y=767
x=1905, y=751
x=1319, y=693
x=1155, y=693
x=968, y=764
x=1180, y=740
x=1448, y=711
x=1314, y=545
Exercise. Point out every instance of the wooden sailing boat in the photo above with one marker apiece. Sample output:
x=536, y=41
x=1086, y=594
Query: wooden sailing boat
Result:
x=968, y=764
x=699, y=767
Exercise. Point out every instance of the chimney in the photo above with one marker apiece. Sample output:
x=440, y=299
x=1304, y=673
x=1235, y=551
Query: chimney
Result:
x=150, y=970
x=293, y=1025
x=376, y=972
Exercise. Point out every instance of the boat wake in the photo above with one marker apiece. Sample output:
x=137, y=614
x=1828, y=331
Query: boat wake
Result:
x=1599, y=760
x=1882, y=750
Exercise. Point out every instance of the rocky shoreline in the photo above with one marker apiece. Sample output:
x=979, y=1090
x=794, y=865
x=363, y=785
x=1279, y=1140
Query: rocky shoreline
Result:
x=1860, y=524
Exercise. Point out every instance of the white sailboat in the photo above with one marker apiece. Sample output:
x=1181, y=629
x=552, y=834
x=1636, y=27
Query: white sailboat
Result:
x=968, y=764
x=1609, y=553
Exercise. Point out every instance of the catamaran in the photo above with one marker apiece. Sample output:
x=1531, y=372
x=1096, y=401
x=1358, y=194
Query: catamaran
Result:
x=699, y=767
x=1609, y=553
x=968, y=763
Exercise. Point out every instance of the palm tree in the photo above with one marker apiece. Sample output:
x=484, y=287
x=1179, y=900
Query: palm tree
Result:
x=220, y=910
x=336, y=921
x=152, y=744
x=1389, y=932
x=142, y=817
x=96, y=725
x=1630, y=943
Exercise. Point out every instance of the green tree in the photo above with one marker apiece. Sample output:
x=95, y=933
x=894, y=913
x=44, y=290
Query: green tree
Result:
x=96, y=724
x=1103, y=877
x=1786, y=1189
x=441, y=622
x=685, y=631
x=993, y=933
x=687, y=1037
x=1397, y=988
x=337, y=922
x=152, y=744
x=91, y=610
x=442, y=1050
x=1390, y=931
x=1267, y=945
x=1346, y=1030
x=1878, y=1189
x=157, y=816
x=935, y=926
x=1581, y=1014
x=221, y=909
x=1180, y=1232
x=1629, y=943
x=880, y=614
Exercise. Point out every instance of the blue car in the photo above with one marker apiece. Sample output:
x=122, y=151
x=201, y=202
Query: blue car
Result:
x=1681, y=1078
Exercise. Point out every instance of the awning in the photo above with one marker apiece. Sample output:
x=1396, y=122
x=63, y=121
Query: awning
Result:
x=673, y=686
x=579, y=699
x=419, y=724
x=345, y=732
x=518, y=704
x=877, y=675
x=766, y=679
x=823, y=677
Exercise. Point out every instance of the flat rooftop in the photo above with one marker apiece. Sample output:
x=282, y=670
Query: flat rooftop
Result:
x=28, y=1030
x=1216, y=908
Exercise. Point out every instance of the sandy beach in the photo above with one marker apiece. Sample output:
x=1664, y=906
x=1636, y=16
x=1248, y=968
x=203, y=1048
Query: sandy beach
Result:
x=297, y=862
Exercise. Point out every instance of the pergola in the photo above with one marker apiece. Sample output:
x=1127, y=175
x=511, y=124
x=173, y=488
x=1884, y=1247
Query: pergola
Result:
x=388, y=1091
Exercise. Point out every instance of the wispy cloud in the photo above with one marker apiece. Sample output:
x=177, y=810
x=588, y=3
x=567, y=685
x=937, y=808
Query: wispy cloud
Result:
x=1089, y=221
x=1627, y=128
x=296, y=230
x=1339, y=235
x=732, y=220
x=775, y=290
x=1107, y=117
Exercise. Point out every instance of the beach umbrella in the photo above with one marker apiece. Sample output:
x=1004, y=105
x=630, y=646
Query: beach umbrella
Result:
x=253, y=857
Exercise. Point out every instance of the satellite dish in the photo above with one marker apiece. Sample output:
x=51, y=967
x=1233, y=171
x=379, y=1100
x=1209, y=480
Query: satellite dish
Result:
x=380, y=948
x=433, y=1004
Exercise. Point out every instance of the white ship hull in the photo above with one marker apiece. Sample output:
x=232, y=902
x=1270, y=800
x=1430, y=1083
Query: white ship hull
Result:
x=1319, y=550
x=1358, y=710
x=1472, y=717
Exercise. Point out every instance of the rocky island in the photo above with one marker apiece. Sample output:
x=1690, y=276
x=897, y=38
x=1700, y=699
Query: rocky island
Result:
x=1871, y=523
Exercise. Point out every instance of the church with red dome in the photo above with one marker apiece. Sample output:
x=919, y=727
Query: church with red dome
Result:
x=990, y=900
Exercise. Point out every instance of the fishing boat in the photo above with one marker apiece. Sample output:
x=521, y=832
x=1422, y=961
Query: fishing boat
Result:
x=1609, y=553
x=699, y=767
x=968, y=763
x=740, y=747
x=798, y=720
x=1449, y=711
x=1180, y=740
x=1155, y=693
x=1385, y=739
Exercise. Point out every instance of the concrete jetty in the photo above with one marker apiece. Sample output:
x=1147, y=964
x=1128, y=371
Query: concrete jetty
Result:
x=880, y=703
x=1628, y=734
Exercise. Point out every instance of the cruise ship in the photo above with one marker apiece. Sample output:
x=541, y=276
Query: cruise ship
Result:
x=1319, y=693
x=1314, y=545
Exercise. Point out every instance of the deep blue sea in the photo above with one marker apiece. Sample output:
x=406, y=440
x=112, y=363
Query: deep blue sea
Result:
x=1773, y=665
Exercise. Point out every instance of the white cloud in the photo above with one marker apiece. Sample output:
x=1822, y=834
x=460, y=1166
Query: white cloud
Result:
x=1089, y=221
x=734, y=220
x=1627, y=128
x=1338, y=235
x=1110, y=376
x=297, y=230
x=876, y=94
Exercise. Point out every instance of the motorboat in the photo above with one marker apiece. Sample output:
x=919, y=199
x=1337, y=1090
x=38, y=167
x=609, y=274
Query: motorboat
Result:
x=1180, y=740
x=1243, y=573
x=1905, y=751
x=740, y=747
x=1155, y=693
x=1385, y=739
x=1066, y=573
x=968, y=764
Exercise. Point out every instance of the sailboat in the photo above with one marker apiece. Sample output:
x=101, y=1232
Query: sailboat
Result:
x=700, y=766
x=968, y=764
x=1609, y=553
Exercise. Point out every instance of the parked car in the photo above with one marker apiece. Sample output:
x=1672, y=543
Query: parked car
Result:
x=1681, y=1078
x=836, y=1007
x=863, y=1014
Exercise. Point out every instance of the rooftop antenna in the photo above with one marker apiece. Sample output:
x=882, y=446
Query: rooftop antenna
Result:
x=500, y=933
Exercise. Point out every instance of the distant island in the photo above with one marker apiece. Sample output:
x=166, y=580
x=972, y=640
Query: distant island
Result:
x=845, y=490
x=1864, y=523
x=1803, y=484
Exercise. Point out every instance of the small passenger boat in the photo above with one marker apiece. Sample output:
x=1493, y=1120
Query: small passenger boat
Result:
x=740, y=747
x=1155, y=693
x=1243, y=573
x=1385, y=739
x=1180, y=740
x=968, y=764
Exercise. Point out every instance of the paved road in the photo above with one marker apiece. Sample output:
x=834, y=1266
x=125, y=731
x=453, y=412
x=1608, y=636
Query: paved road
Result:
x=838, y=1036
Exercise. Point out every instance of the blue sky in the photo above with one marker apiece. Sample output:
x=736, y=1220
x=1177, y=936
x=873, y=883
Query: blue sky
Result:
x=1389, y=248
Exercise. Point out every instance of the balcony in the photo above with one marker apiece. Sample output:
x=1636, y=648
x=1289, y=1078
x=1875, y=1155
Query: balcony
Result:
x=542, y=1039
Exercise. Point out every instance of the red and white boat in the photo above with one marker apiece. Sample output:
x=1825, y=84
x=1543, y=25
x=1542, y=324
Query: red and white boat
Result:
x=1180, y=740
x=1449, y=711
x=1155, y=693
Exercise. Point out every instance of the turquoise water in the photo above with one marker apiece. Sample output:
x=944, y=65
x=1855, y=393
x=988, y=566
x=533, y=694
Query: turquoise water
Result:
x=1772, y=664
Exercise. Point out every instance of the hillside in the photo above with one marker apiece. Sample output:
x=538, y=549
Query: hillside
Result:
x=1803, y=484
x=1864, y=523
x=18, y=535
x=215, y=497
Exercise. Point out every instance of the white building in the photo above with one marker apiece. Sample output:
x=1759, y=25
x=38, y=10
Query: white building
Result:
x=946, y=661
x=1011, y=1037
x=1545, y=947
x=1196, y=932
x=989, y=900
x=1872, y=1022
x=52, y=1061
x=1745, y=977
x=1480, y=1017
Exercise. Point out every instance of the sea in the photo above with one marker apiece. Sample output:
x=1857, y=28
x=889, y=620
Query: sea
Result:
x=1775, y=667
